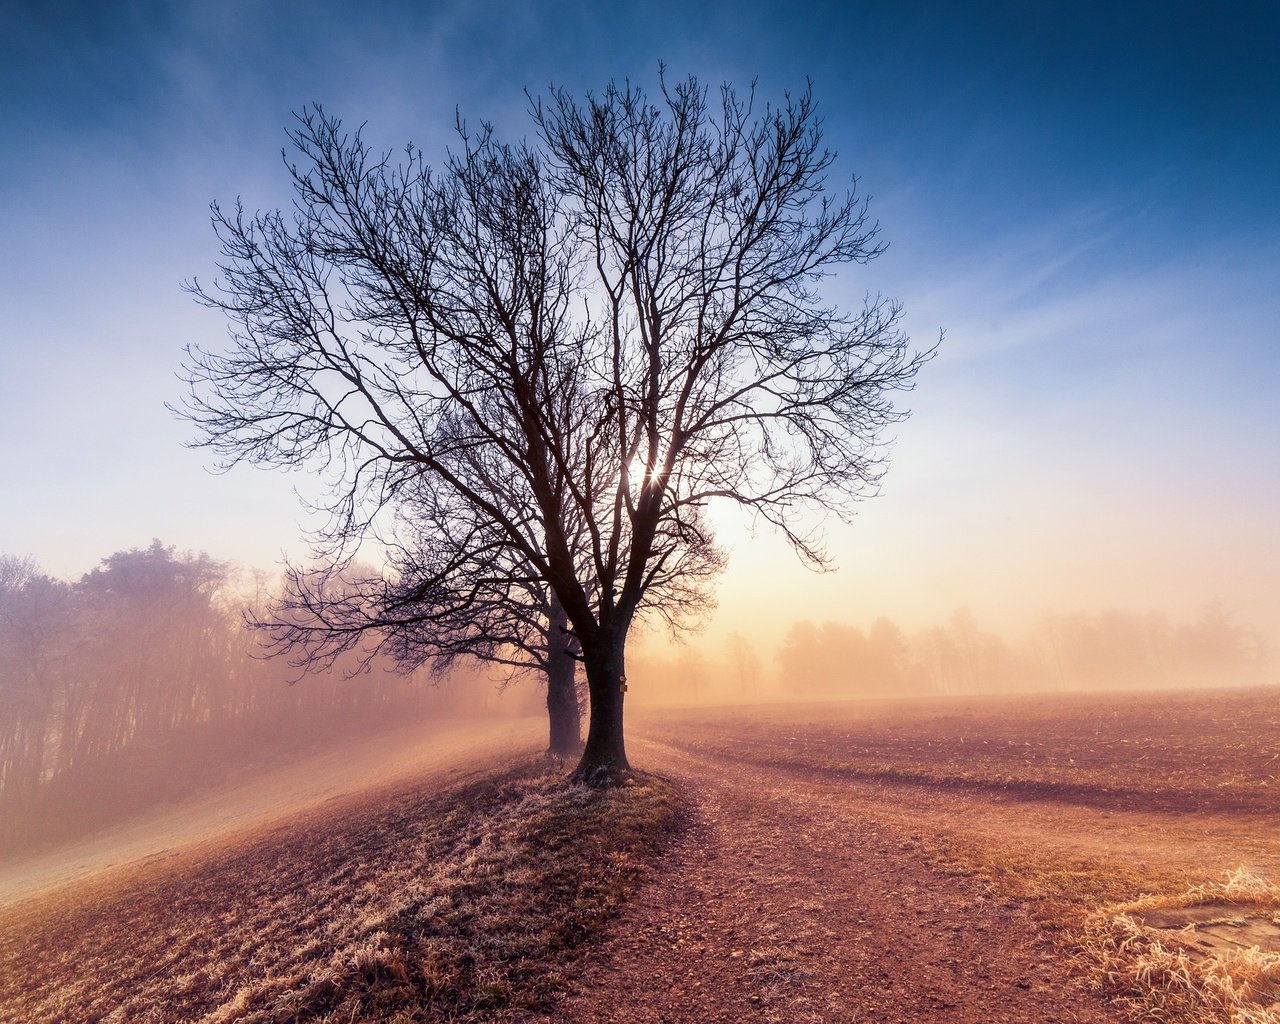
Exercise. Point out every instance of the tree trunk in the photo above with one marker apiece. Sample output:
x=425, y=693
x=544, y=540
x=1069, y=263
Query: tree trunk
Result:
x=604, y=759
x=562, y=690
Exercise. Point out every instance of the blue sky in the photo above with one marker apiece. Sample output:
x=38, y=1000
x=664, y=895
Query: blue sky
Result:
x=1082, y=195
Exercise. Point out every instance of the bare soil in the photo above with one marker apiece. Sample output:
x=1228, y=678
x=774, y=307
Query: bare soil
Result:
x=788, y=901
x=913, y=861
x=1216, y=927
x=1183, y=753
x=883, y=863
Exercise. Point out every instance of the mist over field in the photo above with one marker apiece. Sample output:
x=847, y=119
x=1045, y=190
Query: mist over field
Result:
x=140, y=684
x=1112, y=650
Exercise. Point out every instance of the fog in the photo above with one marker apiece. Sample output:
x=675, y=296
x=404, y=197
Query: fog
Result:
x=139, y=686
x=1107, y=650
x=137, y=690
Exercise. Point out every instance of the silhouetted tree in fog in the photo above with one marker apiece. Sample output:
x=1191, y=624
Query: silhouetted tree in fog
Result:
x=518, y=625
x=746, y=664
x=112, y=686
x=35, y=620
x=431, y=608
x=1113, y=649
x=838, y=660
x=582, y=340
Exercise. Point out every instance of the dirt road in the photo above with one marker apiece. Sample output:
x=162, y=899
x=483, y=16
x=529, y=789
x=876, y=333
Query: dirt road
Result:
x=789, y=899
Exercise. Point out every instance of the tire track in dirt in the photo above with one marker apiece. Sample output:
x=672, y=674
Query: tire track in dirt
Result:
x=784, y=901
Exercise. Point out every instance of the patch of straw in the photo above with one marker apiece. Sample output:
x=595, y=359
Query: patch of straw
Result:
x=1156, y=975
x=1239, y=886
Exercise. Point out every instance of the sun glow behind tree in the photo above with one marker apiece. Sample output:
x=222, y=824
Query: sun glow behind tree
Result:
x=495, y=346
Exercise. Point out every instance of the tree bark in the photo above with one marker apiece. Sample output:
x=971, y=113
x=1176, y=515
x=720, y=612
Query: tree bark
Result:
x=604, y=759
x=562, y=691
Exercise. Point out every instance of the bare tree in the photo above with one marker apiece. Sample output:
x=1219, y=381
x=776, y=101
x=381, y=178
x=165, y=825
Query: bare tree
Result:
x=601, y=332
x=508, y=618
x=746, y=663
x=429, y=607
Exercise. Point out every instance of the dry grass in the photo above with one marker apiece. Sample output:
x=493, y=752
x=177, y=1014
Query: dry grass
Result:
x=1154, y=975
x=1158, y=975
x=462, y=906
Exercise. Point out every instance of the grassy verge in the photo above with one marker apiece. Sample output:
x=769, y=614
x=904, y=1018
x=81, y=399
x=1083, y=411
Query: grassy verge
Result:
x=464, y=906
x=1153, y=974
x=1159, y=975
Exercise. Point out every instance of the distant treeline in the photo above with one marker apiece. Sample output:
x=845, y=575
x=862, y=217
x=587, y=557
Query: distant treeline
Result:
x=1112, y=649
x=1080, y=650
x=110, y=684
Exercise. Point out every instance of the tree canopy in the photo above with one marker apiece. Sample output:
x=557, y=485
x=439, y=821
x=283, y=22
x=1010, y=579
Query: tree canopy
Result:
x=552, y=355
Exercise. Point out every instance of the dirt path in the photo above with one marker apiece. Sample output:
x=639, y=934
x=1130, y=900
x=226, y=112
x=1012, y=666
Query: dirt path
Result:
x=786, y=901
